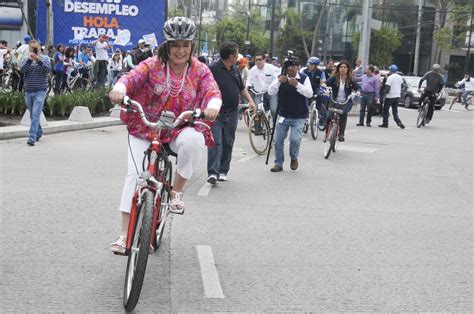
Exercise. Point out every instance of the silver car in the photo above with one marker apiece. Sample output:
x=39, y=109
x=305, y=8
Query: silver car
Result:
x=410, y=95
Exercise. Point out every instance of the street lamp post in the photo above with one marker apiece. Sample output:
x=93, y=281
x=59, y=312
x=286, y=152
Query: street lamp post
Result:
x=468, y=53
x=272, y=28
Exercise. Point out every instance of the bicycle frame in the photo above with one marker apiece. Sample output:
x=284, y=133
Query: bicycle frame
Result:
x=152, y=178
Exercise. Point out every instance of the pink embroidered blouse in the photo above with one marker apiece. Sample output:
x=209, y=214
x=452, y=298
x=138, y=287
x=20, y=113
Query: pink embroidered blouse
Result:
x=146, y=84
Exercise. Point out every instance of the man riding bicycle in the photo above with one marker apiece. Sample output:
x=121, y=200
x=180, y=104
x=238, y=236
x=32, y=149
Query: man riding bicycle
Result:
x=316, y=77
x=434, y=85
x=260, y=77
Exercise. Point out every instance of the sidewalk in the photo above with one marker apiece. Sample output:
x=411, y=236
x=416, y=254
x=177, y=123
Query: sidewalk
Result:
x=16, y=131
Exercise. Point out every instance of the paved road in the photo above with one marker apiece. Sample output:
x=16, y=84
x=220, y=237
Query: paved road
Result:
x=384, y=225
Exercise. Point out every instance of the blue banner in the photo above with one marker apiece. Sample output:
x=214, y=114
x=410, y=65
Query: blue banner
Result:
x=81, y=22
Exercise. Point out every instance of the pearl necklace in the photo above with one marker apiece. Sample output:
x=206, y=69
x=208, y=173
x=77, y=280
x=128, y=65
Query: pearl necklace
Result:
x=175, y=85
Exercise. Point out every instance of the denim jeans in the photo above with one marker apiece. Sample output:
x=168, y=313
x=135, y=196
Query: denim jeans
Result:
x=223, y=131
x=366, y=102
x=391, y=102
x=101, y=73
x=35, y=102
x=465, y=94
x=296, y=134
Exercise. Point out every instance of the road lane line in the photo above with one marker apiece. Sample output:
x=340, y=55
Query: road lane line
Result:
x=357, y=149
x=205, y=189
x=210, y=278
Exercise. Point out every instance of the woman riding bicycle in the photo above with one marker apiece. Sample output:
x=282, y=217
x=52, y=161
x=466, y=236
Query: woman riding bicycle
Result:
x=171, y=81
x=343, y=84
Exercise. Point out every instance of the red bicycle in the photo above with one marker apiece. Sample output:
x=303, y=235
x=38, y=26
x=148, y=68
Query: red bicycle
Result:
x=150, y=205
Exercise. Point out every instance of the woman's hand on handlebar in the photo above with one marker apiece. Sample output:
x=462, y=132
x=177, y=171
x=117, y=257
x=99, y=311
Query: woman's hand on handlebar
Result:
x=210, y=114
x=116, y=97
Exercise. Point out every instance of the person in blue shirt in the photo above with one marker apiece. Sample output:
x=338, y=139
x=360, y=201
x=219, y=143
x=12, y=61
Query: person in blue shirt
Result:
x=316, y=77
x=59, y=68
x=83, y=58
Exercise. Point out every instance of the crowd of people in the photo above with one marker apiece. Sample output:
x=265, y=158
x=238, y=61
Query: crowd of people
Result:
x=171, y=78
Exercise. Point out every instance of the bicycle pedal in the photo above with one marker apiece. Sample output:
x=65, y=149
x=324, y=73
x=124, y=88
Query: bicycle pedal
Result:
x=177, y=211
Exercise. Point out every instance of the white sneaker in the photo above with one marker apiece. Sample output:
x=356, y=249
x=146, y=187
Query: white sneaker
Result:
x=222, y=177
x=212, y=179
x=176, y=204
x=118, y=247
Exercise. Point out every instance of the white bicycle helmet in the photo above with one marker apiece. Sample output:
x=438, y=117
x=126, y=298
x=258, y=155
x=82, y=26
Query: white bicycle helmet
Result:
x=179, y=28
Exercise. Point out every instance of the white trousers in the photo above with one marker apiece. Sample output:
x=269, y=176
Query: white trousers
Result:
x=189, y=145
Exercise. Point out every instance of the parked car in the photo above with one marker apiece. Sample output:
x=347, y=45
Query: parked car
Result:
x=410, y=95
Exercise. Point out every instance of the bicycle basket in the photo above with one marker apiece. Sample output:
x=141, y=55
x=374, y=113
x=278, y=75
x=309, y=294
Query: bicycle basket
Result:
x=344, y=107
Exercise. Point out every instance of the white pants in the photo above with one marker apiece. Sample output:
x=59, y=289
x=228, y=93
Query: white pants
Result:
x=189, y=145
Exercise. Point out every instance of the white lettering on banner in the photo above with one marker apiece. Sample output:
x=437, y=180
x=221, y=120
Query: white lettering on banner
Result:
x=94, y=32
x=71, y=6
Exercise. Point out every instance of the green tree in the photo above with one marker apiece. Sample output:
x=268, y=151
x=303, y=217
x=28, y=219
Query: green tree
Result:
x=382, y=45
x=290, y=37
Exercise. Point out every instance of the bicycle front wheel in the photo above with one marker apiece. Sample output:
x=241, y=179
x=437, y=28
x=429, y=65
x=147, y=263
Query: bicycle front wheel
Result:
x=331, y=140
x=259, y=133
x=420, y=120
x=138, y=257
x=164, y=205
x=313, y=124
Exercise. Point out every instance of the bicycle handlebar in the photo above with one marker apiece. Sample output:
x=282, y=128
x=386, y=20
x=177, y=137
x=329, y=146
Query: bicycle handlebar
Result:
x=197, y=113
x=252, y=89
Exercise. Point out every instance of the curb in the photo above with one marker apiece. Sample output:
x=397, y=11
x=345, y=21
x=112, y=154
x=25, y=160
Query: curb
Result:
x=17, y=131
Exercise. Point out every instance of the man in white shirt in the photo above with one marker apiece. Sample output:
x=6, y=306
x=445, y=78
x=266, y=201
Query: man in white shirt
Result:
x=102, y=59
x=393, y=88
x=3, y=52
x=260, y=77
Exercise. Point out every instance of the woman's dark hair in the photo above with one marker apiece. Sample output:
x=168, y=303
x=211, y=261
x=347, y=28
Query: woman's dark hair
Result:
x=228, y=49
x=164, y=52
x=69, y=52
x=349, y=71
x=58, y=47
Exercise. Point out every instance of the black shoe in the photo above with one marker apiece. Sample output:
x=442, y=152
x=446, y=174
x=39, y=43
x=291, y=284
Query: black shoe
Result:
x=30, y=143
x=368, y=125
x=359, y=124
x=401, y=125
x=341, y=138
x=212, y=179
x=276, y=168
x=294, y=164
x=383, y=125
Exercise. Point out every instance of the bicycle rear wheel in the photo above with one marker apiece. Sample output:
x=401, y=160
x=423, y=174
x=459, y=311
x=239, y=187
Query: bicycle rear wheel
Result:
x=313, y=124
x=138, y=257
x=164, y=203
x=420, y=120
x=259, y=133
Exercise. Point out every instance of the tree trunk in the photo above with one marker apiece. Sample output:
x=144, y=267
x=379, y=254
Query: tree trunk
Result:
x=303, y=39
x=314, y=44
x=440, y=21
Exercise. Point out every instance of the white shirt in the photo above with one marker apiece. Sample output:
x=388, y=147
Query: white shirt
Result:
x=341, y=93
x=468, y=86
x=395, y=82
x=2, y=53
x=304, y=89
x=261, y=79
x=101, y=51
x=22, y=53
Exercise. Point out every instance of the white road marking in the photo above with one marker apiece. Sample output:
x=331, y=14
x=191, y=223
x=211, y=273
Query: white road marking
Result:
x=205, y=189
x=210, y=278
x=357, y=149
x=247, y=158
